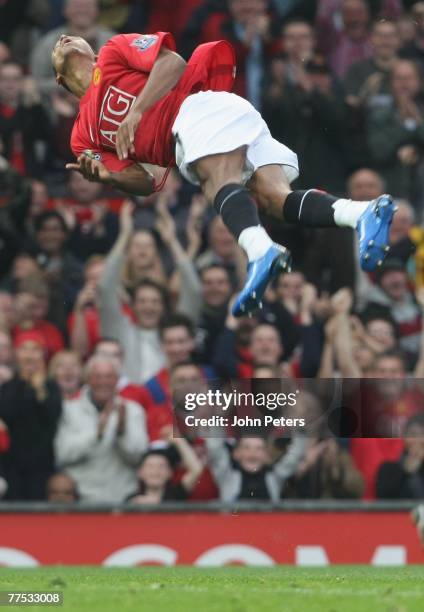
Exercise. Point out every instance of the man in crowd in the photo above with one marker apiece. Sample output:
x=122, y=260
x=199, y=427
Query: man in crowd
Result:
x=101, y=437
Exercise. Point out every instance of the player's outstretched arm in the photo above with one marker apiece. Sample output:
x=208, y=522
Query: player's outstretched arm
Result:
x=134, y=179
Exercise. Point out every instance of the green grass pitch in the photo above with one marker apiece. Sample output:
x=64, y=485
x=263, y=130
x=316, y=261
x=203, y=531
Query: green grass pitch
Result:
x=230, y=589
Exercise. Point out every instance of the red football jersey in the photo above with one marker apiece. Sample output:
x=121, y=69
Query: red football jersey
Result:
x=120, y=74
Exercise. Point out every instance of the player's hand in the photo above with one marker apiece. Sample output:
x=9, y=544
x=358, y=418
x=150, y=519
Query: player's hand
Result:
x=91, y=169
x=126, y=133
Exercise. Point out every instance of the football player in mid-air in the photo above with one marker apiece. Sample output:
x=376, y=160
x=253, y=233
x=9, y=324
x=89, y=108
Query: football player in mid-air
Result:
x=141, y=103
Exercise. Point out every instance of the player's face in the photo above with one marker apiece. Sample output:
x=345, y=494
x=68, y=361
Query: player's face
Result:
x=67, y=47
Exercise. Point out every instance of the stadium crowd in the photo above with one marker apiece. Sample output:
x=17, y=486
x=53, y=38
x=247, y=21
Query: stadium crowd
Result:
x=111, y=308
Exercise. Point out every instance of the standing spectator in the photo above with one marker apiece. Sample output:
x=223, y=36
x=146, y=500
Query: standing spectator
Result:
x=31, y=305
x=350, y=43
x=23, y=120
x=30, y=406
x=246, y=473
x=404, y=479
x=391, y=297
x=247, y=26
x=66, y=369
x=101, y=437
x=414, y=49
x=84, y=320
x=371, y=77
x=93, y=226
x=395, y=133
x=140, y=338
x=307, y=112
x=155, y=473
x=81, y=20
x=62, y=270
x=15, y=200
x=326, y=472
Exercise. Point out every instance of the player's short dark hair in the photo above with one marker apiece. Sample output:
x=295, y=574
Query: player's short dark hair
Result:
x=176, y=320
x=45, y=216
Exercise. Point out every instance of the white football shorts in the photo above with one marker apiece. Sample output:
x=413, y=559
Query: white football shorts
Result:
x=212, y=122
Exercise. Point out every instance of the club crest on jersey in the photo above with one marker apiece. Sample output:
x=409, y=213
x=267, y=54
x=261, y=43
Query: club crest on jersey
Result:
x=144, y=42
x=97, y=76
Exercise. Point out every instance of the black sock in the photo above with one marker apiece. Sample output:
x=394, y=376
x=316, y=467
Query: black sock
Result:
x=236, y=207
x=311, y=208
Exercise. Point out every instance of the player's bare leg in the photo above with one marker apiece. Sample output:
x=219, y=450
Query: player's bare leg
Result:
x=221, y=178
x=313, y=208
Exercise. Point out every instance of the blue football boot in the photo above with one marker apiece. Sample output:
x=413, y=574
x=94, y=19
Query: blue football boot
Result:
x=373, y=229
x=259, y=273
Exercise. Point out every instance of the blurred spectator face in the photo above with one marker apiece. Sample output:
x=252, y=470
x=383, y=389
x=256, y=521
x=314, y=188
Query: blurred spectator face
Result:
x=251, y=454
x=82, y=190
x=365, y=185
x=39, y=197
x=4, y=52
x=7, y=311
x=395, y=284
x=364, y=358
x=221, y=241
x=11, y=79
x=30, y=358
x=407, y=30
x=355, y=15
x=110, y=350
x=51, y=236
x=418, y=15
x=6, y=349
x=155, y=471
x=61, y=489
x=385, y=39
x=265, y=345
x=406, y=79
x=102, y=378
x=178, y=344
x=148, y=307
x=142, y=251
x=81, y=14
x=25, y=306
x=289, y=286
x=186, y=378
x=414, y=438
x=66, y=370
x=93, y=271
x=402, y=222
x=389, y=367
x=24, y=266
x=298, y=39
x=216, y=286
x=389, y=370
x=30, y=307
x=382, y=331
x=244, y=11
